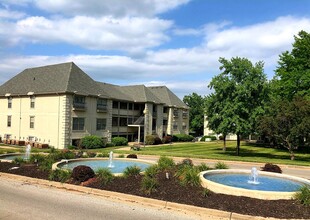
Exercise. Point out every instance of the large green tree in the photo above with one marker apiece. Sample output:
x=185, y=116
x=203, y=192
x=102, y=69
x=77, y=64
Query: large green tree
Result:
x=288, y=123
x=292, y=76
x=196, y=113
x=238, y=98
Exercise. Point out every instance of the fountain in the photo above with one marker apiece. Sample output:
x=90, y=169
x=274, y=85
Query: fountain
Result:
x=116, y=165
x=111, y=160
x=271, y=186
x=253, y=176
x=28, y=151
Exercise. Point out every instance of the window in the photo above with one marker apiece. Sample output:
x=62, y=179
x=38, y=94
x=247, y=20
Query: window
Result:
x=31, y=122
x=115, y=104
x=123, y=105
x=78, y=124
x=9, y=121
x=165, y=110
x=165, y=122
x=101, y=104
x=79, y=102
x=130, y=106
x=136, y=107
x=122, y=121
x=114, y=121
x=32, y=102
x=101, y=124
x=175, y=126
x=10, y=102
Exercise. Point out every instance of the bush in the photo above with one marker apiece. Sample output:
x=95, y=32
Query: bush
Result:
x=71, y=147
x=188, y=175
x=221, y=165
x=149, y=184
x=182, y=138
x=134, y=156
x=151, y=171
x=121, y=156
x=132, y=171
x=186, y=161
x=149, y=139
x=165, y=163
x=104, y=175
x=119, y=141
x=92, y=142
x=206, y=192
x=213, y=138
x=59, y=175
x=82, y=173
x=269, y=167
x=157, y=140
x=303, y=195
x=203, y=167
x=166, y=139
x=102, y=155
x=37, y=158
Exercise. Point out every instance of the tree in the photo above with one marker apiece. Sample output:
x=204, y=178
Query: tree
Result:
x=196, y=113
x=238, y=98
x=292, y=76
x=288, y=123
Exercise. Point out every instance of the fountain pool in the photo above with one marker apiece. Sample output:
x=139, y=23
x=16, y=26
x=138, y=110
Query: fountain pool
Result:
x=11, y=157
x=118, y=167
x=267, y=185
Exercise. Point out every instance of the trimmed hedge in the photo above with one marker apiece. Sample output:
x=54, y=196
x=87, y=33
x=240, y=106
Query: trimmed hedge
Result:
x=182, y=138
x=213, y=138
x=119, y=141
x=92, y=142
x=152, y=140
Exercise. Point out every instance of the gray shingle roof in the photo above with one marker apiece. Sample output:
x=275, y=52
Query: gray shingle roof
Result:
x=140, y=93
x=58, y=78
x=69, y=78
x=166, y=96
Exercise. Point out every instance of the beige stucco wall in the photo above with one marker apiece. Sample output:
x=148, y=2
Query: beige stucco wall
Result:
x=48, y=114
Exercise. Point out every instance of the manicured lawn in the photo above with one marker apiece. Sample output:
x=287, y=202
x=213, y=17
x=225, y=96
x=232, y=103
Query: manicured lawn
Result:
x=206, y=150
x=214, y=150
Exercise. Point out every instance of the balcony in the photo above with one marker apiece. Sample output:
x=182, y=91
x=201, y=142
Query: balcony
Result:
x=78, y=106
x=102, y=108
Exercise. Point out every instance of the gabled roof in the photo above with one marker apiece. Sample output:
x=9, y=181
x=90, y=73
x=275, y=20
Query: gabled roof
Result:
x=69, y=78
x=140, y=93
x=166, y=96
x=58, y=78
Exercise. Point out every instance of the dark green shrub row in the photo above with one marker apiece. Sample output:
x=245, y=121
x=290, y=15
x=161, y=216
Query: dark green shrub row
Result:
x=213, y=138
x=119, y=141
x=182, y=138
x=152, y=140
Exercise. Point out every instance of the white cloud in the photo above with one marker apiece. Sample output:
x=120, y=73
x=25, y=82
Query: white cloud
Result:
x=11, y=15
x=184, y=70
x=117, y=8
x=105, y=33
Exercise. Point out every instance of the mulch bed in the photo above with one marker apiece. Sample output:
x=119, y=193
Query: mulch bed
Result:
x=171, y=190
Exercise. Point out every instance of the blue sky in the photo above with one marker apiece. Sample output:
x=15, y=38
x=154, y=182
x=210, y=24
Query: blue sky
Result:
x=153, y=42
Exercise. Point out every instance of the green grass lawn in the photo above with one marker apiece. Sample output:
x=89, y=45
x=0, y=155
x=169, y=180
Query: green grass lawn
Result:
x=207, y=150
x=214, y=150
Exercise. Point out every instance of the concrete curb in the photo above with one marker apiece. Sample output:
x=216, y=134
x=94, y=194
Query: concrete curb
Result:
x=193, y=211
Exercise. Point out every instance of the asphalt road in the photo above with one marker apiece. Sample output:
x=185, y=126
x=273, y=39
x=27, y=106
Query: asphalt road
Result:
x=25, y=201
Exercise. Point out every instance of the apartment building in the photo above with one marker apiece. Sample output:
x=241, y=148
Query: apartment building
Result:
x=59, y=104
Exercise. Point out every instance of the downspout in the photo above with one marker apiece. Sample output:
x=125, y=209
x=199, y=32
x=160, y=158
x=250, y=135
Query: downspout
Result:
x=58, y=120
x=20, y=117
